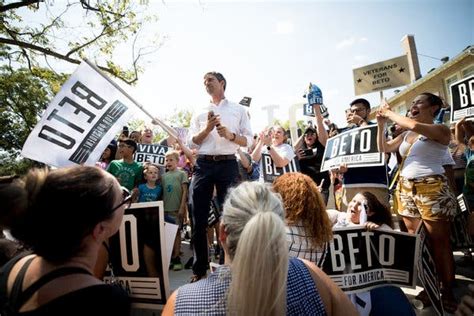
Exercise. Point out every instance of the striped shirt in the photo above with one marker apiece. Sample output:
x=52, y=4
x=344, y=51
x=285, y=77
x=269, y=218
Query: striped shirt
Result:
x=299, y=244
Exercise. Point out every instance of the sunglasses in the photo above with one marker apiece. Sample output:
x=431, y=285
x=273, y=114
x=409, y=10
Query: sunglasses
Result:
x=127, y=200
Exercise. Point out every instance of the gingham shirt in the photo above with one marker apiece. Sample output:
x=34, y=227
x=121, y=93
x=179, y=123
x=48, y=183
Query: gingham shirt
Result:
x=299, y=244
x=208, y=296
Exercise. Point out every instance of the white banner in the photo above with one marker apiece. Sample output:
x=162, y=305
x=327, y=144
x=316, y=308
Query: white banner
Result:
x=80, y=121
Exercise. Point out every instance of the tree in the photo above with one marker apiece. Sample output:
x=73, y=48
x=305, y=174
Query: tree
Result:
x=24, y=95
x=101, y=26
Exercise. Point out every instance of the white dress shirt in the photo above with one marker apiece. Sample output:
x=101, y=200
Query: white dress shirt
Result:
x=232, y=116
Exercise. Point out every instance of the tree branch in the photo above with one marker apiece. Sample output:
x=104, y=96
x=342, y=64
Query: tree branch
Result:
x=16, y=5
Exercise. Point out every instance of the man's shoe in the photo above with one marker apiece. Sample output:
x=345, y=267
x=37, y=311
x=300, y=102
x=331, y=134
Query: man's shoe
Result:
x=177, y=265
x=196, y=278
x=189, y=263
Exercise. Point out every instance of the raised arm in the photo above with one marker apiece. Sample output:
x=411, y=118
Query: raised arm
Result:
x=384, y=145
x=322, y=133
x=437, y=132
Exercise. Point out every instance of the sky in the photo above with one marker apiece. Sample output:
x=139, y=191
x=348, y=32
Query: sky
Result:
x=271, y=50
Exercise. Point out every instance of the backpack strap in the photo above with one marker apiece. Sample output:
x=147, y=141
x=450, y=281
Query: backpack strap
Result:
x=16, y=289
x=26, y=294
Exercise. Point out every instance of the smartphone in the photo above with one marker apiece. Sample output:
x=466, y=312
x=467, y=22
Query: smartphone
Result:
x=125, y=131
x=308, y=152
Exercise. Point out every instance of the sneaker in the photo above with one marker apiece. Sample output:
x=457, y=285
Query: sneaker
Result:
x=196, y=278
x=177, y=265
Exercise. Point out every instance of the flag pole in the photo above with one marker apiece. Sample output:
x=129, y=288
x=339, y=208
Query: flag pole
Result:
x=155, y=120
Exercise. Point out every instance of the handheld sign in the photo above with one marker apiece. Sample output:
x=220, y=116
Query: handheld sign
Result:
x=427, y=271
x=356, y=148
x=245, y=101
x=387, y=74
x=462, y=99
x=271, y=172
x=358, y=260
x=460, y=236
x=137, y=256
x=151, y=153
x=79, y=122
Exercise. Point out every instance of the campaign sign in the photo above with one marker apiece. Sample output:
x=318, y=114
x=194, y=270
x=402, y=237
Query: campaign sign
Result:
x=358, y=260
x=80, y=121
x=137, y=255
x=151, y=153
x=462, y=99
x=427, y=271
x=356, y=148
x=271, y=172
x=308, y=110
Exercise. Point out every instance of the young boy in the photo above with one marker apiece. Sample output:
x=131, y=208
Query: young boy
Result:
x=151, y=190
x=175, y=195
x=126, y=170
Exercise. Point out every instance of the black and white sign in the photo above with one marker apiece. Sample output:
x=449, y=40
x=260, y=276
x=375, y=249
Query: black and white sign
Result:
x=358, y=260
x=79, y=122
x=308, y=110
x=462, y=99
x=271, y=172
x=151, y=153
x=245, y=101
x=137, y=255
x=356, y=148
x=427, y=271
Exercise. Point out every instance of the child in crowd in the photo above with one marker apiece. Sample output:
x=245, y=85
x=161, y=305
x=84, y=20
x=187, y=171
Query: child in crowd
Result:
x=175, y=192
x=126, y=170
x=152, y=189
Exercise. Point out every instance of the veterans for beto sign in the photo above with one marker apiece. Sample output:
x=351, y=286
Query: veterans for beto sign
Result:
x=462, y=99
x=79, y=122
x=387, y=74
x=271, y=172
x=356, y=148
x=358, y=260
x=151, y=153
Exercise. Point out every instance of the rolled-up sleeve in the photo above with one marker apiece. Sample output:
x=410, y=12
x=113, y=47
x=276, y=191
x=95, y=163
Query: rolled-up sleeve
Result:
x=246, y=128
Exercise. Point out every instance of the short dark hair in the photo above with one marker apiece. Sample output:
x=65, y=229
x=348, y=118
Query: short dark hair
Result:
x=130, y=142
x=363, y=101
x=433, y=99
x=218, y=76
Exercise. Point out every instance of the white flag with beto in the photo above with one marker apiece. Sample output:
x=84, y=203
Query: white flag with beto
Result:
x=79, y=122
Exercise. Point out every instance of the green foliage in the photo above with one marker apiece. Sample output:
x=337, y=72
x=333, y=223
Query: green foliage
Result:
x=24, y=95
x=73, y=30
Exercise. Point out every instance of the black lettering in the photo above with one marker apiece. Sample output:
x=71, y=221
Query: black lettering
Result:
x=70, y=141
x=78, y=108
x=61, y=119
x=85, y=93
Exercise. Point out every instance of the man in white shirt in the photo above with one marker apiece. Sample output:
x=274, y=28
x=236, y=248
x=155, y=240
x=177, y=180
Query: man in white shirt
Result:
x=219, y=130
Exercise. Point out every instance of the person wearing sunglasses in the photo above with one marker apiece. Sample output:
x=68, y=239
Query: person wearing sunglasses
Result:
x=63, y=216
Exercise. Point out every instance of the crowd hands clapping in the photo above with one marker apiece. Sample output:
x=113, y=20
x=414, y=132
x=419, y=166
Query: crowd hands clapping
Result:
x=309, y=204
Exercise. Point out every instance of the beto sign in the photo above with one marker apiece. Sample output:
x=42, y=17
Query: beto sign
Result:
x=356, y=148
x=462, y=99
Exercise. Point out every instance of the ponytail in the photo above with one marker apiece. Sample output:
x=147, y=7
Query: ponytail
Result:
x=256, y=240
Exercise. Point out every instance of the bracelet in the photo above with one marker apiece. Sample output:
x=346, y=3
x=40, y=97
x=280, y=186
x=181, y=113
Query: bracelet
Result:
x=234, y=137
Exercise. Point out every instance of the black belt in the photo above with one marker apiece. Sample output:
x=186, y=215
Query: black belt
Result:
x=216, y=157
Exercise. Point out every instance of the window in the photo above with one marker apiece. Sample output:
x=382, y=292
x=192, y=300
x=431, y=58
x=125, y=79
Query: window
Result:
x=468, y=71
x=450, y=81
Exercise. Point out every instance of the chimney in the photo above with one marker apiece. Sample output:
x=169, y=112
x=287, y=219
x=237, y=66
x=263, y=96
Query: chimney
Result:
x=409, y=47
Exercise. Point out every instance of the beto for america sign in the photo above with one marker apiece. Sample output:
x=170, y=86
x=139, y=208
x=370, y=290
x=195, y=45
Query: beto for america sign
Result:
x=356, y=148
x=462, y=99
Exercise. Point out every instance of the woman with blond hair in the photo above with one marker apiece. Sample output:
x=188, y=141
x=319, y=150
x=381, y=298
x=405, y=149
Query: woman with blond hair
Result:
x=308, y=226
x=258, y=277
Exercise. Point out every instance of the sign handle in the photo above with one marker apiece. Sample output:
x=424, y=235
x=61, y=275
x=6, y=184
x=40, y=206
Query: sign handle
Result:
x=159, y=122
x=381, y=96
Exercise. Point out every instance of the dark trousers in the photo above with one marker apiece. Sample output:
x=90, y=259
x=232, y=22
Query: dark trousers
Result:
x=207, y=174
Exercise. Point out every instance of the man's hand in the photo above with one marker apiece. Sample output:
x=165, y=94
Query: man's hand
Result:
x=353, y=118
x=224, y=132
x=212, y=121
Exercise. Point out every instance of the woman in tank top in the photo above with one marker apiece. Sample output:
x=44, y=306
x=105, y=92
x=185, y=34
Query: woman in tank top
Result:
x=423, y=187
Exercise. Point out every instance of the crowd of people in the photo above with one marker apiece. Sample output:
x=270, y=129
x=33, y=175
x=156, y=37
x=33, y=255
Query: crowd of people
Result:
x=271, y=237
